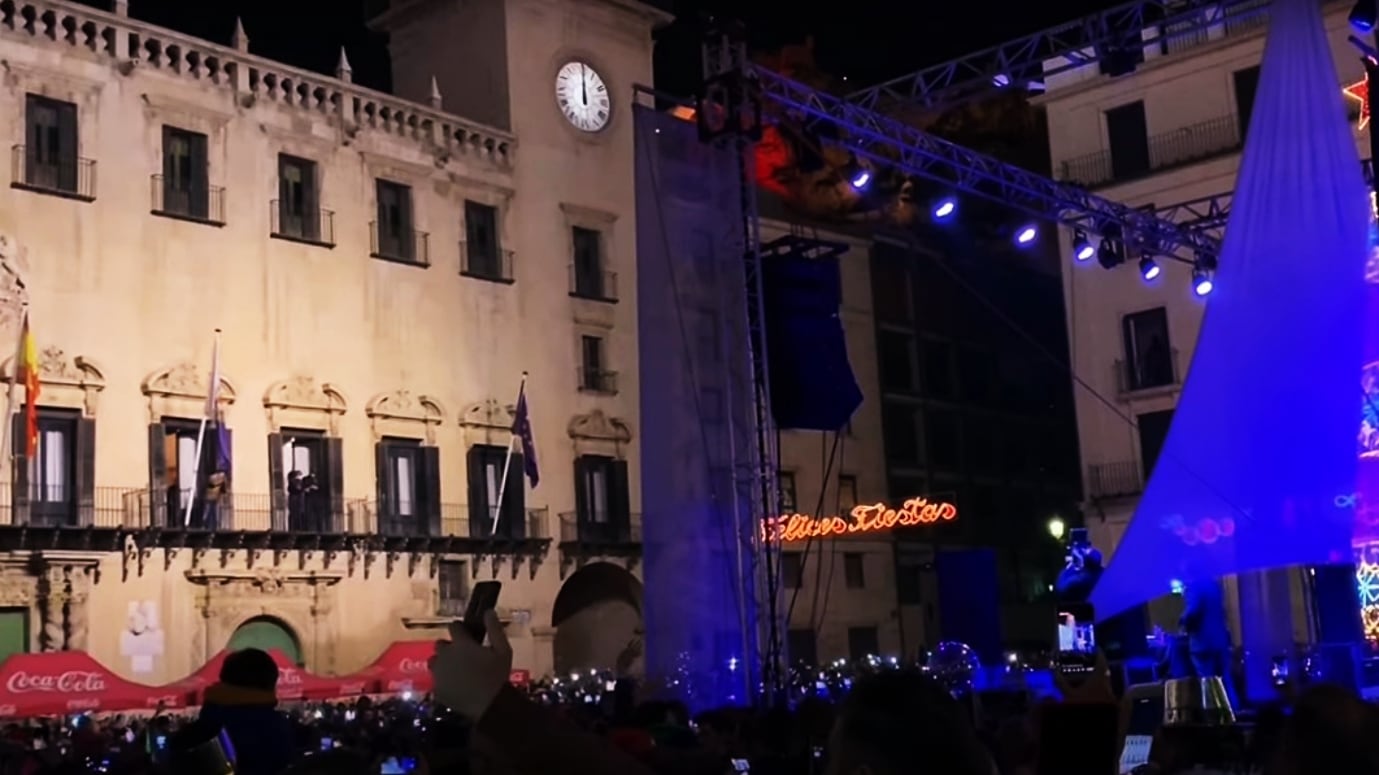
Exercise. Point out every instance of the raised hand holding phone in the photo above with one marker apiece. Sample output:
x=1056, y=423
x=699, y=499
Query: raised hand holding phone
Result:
x=468, y=675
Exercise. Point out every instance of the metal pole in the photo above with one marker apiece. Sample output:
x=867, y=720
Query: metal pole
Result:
x=507, y=464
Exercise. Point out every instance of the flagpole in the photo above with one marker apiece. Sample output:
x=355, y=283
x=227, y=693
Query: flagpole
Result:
x=507, y=463
x=5, y=432
x=201, y=430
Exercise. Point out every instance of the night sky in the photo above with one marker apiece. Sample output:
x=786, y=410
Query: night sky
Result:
x=866, y=43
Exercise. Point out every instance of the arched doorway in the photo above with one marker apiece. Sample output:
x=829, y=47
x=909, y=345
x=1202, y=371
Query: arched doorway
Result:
x=269, y=634
x=597, y=613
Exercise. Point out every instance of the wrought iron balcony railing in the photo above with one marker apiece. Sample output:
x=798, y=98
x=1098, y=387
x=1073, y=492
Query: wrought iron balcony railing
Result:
x=600, y=530
x=205, y=206
x=1148, y=373
x=593, y=284
x=598, y=381
x=312, y=226
x=69, y=176
x=1184, y=145
x=486, y=263
x=1114, y=480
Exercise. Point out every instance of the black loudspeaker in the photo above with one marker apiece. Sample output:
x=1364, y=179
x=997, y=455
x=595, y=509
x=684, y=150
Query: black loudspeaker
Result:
x=812, y=384
x=1336, y=603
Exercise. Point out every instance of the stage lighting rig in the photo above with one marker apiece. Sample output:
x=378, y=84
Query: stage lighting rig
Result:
x=1149, y=269
x=1111, y=253
x=1082, y=247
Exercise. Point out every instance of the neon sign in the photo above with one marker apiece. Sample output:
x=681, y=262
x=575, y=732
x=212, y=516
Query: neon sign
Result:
x=862, y=519
x=1359, y=91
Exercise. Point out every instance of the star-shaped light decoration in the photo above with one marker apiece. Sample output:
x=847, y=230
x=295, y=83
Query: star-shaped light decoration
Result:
x=1359, y=91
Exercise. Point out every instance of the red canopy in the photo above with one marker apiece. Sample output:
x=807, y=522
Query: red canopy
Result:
x=402, y=667
x=61, y=682
x=294, y=683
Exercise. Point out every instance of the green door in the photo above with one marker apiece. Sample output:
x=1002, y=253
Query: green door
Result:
x=14, y=632
x=268, y=635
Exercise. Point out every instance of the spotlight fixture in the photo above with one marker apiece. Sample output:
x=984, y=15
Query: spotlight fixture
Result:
x=1111, y=253
x=1026, y=234
x=1203, y=271
x=861, y=179
x=1362, y=16
x=856, y=175
x=944, y=208
x=1149, y=269
x=1082, y=247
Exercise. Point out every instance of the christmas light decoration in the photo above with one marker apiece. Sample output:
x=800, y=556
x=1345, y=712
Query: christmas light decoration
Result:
x=1359, y=91
x=862, y=519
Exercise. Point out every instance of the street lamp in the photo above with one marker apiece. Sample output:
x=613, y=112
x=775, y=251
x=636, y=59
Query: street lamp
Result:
x=1057, y=528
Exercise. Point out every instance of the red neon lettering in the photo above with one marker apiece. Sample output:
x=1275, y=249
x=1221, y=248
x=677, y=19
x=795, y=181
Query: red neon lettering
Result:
x=862, y=519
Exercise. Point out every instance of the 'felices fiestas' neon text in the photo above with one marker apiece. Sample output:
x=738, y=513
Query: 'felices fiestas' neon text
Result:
x=862, y=519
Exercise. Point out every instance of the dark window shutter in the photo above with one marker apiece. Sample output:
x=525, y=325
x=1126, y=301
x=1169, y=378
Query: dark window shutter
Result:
x=311, y=203
x=406, y=232
x=515, y=500
x=277, y=483
x=20, y=496
x=67, y=146
x=335, y=483
x=199, y=185
x=479, y=518
x=429, y=492
x=157, y=475
x=84, y=479
x=169, y=170
x=619, y=500
x=226, y=517
x=385, y=506
x=582, y=515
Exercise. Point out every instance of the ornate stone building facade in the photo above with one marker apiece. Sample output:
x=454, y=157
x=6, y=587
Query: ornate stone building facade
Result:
x=383, y=273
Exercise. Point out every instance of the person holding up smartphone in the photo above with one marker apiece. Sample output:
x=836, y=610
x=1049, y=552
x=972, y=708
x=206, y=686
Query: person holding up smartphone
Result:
x=472, y=679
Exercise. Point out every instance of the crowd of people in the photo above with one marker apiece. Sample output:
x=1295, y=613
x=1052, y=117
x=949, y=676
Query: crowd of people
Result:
x=891, y=723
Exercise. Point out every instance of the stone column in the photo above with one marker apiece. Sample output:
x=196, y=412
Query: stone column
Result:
x=54, y=633
x=78, y=616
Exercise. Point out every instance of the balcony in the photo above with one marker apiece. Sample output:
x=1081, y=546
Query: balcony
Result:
x=1114, y=480
x=206, y=206
x=599, y=381
x=72, y=178
x=583, y=539
x=1178, y=147
x=61, y=507
x=311, y=227
x=593, y=285
x=403, y=246
x=1148, y=375
x=486, y=263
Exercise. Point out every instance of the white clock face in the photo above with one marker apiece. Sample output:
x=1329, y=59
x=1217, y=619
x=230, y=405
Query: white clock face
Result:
x=582, y=96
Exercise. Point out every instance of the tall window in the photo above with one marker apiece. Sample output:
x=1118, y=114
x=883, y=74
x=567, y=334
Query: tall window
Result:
x=590, y=281
x=298, y=211
x=786, y=480
x=1148, y=355
x=53, y=496
x=482, y=249
x=178, y=479
x=50, y=153
x=306, y=472
x=453, y=586
x=495, y=508
x=854, y=570
x=594, y=375
x=1246, y=87
x=792, y=570
x=408, y=488
x=847, y=493
x=185, y=188
x=1128, y=136
x=394, y=233
x=601, y=497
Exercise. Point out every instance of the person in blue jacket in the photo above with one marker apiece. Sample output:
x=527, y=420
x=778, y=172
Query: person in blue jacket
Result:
x=244, y=703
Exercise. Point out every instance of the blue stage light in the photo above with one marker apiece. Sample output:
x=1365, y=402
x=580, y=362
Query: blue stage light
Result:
x=1149, y=269
x=1026, y=235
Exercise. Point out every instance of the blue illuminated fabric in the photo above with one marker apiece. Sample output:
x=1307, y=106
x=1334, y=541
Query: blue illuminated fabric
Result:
x=1260, y=461
x=697, y=416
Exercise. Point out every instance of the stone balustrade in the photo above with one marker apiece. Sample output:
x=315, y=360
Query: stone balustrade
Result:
x=130, y=44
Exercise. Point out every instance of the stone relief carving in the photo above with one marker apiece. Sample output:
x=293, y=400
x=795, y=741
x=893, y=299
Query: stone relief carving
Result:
x=14, y=265
x=402, y=406
x=304, y=394
x=181, y=382
x=18, y=590
x=597, y=426
x=57, y=369
x=301, y=599
x=487, y=415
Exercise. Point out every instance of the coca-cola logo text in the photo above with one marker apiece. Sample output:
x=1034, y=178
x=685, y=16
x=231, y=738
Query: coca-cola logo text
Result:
x=409, y=666
x=70, y=682
x=289, y=677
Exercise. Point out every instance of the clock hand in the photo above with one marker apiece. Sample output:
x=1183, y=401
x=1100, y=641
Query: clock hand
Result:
x=584, y=85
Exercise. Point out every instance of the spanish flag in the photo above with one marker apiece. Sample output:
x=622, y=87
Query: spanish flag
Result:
x=28, y=372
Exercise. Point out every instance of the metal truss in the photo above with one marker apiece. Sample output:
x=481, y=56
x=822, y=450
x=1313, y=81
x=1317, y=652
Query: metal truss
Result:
x=888, y=142
x=1133, y=26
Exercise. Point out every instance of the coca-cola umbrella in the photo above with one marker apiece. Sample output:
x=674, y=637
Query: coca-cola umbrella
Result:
x=402, y=667
x=61, y=682
x=294, y=683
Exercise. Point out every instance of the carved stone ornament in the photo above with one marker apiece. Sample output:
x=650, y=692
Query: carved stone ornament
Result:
x=487, y=415
x=597, y=426
x=18, y=590
x=301, y=394
x=56, y=369
x=402, y=407
x=301, y=600
x=169, y=387
x=14, y=265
